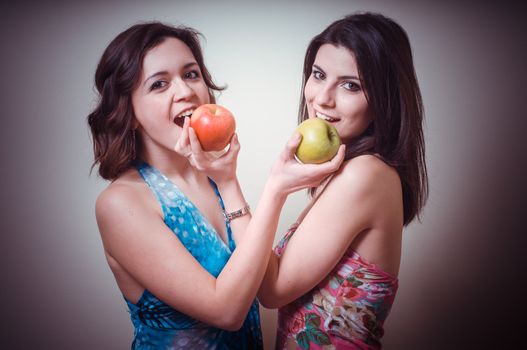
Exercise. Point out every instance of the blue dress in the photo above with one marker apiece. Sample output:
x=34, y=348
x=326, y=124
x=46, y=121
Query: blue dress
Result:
x=159, y=326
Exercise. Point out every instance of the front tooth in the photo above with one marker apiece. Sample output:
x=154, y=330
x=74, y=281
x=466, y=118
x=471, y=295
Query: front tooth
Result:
x=325, y=117
x=186, y=114
x=322, y=116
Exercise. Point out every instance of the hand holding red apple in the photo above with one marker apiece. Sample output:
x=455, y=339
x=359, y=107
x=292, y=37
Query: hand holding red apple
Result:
x=219, y=167
x=214, y=126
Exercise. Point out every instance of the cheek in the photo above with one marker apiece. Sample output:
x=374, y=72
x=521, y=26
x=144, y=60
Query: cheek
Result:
x=151, y=113
x=143, y=111
x=365, y=112
x=309, y=91
x=358, y=118
x=202, y=91
x=356, y=108
x=206, y=97
x=309, y=95
x=137, y=110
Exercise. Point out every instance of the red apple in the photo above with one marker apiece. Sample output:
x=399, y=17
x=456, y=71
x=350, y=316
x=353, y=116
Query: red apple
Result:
x=214, y=125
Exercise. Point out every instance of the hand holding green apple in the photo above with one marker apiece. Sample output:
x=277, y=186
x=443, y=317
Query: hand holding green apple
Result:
x=320, y=141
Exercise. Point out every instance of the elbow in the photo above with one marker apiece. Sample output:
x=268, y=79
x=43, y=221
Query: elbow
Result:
x=234, y=326
x=229, y=319
x=270, y=301
x=225, y=315
x=231, y=323
x=268, y=304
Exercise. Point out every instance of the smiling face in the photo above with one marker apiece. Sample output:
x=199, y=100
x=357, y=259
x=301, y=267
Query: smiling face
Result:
x=171, y=86
x=334, y=92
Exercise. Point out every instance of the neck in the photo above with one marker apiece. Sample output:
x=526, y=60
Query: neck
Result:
x=172, y=165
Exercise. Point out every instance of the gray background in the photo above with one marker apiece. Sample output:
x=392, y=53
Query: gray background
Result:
x=461, y=279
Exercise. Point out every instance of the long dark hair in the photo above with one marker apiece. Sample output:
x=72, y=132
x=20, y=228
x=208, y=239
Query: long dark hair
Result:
x=118, y=72
x=384, y=59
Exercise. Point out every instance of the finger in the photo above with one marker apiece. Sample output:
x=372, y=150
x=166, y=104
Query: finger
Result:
x=195, y=145
x=185, y=131
x=183, y=141
x=339, y=157
x=292, y=145
x=235, y=146
x=199, y=155
x=329, y=166
x=334, y=164
x=232, y=149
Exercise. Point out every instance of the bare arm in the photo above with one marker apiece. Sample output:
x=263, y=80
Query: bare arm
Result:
x=221, y=169
x=137, y=238
x=293, y=176
x=363, y=196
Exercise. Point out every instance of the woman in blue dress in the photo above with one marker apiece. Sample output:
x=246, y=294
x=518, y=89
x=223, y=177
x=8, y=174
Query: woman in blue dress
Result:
x=188, y=270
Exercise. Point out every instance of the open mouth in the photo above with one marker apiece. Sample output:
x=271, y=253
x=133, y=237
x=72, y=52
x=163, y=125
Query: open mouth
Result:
x=326, y=117
x=179, y=119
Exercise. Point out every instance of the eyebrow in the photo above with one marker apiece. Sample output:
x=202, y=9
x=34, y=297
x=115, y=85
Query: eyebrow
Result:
x=342, y=77
x=164, y=72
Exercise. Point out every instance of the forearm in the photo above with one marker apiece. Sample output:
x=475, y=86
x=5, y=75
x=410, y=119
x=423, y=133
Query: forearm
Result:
x=267, y=294
x=242, y=275
x=233, y=199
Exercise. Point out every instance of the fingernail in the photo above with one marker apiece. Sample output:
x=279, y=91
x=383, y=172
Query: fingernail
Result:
x=297, y=136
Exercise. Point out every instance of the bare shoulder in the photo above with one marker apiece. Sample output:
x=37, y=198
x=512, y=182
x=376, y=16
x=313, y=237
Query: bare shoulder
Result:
x=123, y=198
x=369, y=165
x=369, y=188
x=367, y=174
x=115, y=196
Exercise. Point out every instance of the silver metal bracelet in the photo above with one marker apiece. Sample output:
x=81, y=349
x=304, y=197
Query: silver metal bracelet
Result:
x=236, y=214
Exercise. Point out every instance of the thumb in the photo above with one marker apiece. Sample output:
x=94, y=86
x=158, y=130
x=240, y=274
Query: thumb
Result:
x=235, y=143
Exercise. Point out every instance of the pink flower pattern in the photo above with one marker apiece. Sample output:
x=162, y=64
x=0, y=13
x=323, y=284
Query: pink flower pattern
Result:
x=346, y=310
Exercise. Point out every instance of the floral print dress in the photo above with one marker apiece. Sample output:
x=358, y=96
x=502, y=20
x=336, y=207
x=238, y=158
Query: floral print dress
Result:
x=346, y=310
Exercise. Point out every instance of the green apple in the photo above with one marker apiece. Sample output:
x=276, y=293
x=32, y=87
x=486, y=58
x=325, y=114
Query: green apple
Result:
x=320, y=141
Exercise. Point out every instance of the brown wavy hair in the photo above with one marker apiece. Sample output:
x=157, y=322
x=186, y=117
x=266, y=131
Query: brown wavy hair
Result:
x=384, y=59
x=118, y=73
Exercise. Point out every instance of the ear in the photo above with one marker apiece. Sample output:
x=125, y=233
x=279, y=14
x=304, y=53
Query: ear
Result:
x=370, y=128
x=371, y=116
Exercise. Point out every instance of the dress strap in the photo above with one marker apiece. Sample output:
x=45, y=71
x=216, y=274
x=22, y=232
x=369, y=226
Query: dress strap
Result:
x=165, y=191
x=232, y=244
x=170, y=196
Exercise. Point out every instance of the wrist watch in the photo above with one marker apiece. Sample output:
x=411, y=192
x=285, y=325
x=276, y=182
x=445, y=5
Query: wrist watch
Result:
x=237, y=213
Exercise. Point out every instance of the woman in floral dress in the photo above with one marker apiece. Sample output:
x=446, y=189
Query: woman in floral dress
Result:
x=334, y=274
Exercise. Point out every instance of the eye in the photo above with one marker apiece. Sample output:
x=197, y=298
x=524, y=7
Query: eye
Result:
x=193, y=74
x=318, y=75
x=158, y=85
x=351, y=86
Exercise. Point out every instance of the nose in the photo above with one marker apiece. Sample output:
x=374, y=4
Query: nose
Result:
x=325, y=96
x=181, y=90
